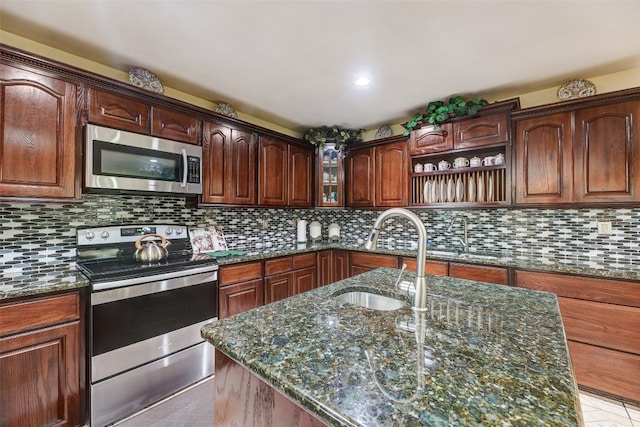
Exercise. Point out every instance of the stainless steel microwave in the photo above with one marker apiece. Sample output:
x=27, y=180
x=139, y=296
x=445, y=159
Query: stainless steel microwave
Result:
x=120, y=160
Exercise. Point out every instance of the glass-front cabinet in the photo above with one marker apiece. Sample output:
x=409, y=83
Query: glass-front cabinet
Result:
x=330, y=176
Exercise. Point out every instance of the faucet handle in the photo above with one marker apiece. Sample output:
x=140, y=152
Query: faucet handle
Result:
x=404, y=267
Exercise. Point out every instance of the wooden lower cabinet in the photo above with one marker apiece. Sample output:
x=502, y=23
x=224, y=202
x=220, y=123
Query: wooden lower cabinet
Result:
x=602, y=323
x=480, y=273
x=241, y=288
x=361, y=262
x=288, y=276
x=40, y=362
x=333, y=265
x=243, y=399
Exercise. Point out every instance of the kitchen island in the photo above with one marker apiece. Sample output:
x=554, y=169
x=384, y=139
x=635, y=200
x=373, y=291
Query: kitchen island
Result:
x=480, y=355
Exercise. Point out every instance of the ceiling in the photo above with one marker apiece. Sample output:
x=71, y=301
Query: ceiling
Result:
x=294, y=62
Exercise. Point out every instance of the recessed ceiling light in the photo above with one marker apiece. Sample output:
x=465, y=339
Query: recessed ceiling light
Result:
x=362, y=81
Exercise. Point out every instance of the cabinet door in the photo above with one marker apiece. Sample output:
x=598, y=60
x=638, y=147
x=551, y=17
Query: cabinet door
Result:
x=278, y=287
x=391, y=175
x=607, y=153
x=242, y=185
x=428, y=140
x=40, y=374
x=360, y=177
x=329, y=177
x=480, y=273
x=304, y=280
x=230, y=159
x=543, y=156
x=38, y=146
x=216, y=150
x=480, y=131
x=340, y=264
x=240, y=297
x=174, y=125
x=118, y=112
x=300, y=177
x=325, y=267
x=273, y=172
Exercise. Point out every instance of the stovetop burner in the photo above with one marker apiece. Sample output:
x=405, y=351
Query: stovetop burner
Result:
x=107, y=253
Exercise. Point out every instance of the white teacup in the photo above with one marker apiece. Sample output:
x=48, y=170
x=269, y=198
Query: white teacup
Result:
x=498, y=159
x=444, y=165
x=461, y=162
x=430, y=167
x=418, y=168
x=488, y=161
x=475, y=162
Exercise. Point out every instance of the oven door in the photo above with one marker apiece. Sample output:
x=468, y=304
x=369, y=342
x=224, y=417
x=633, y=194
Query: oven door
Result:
x=122, y=160
x=145, y=342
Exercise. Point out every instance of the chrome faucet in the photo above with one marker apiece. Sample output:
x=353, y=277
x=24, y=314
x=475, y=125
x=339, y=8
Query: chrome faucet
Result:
x=420, y=298
x=465, y=242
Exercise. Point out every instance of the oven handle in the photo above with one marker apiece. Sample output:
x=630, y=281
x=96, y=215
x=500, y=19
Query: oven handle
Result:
x=185, y=171
x=160, y=283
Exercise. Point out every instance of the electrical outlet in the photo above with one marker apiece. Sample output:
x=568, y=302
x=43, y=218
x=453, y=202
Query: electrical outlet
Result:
x=265, y=224
x=604, y=228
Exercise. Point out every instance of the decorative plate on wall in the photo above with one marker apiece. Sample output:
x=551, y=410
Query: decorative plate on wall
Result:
x=226, y=110
x=576, y=89
x=145, y=79
x=383, y=132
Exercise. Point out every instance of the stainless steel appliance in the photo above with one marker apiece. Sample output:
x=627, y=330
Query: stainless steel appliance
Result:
x=144, y=340
x=120, y=160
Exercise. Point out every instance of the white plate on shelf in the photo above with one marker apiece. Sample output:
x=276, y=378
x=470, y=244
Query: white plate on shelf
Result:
x=480, y=189
x=459, y=190
x=471, y=196
x=426, y=191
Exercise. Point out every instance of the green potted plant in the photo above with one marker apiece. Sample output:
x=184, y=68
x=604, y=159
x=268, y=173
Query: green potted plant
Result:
x=340, y=136
x=437, y=112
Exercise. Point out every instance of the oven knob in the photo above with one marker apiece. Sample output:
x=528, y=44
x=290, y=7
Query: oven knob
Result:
x=179, y=231
x=169, y=231
x=104, y=234
x=89, y=235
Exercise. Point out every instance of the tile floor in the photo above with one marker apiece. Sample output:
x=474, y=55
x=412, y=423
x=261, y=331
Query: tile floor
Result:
x=194, y=408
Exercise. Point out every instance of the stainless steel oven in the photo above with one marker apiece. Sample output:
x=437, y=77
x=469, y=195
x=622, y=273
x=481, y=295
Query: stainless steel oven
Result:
x=120, y=160
x=145, y=319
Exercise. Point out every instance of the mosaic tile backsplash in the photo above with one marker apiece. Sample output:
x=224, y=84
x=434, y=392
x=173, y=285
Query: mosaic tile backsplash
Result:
x=40, y=237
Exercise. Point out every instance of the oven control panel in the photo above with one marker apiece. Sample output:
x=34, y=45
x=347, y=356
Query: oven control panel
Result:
x=129, y=233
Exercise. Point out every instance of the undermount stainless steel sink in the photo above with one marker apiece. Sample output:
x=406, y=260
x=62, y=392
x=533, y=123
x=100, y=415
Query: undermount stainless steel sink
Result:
x=369, y=300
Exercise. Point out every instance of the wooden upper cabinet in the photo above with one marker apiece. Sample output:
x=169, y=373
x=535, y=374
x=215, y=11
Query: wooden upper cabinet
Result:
x=428, y=140
x=544, y=162
x=173, y=125
x=230, y=159
x=38, y=146
x=300, y=177
x=607, y=153
x=360, y=177
x=273, y=172
x=481, y=130
x=391, y=174
x=119, y=112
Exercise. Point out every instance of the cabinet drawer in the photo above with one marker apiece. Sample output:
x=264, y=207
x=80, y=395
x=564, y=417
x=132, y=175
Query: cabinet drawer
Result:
x=38, y=313
x=304, y=261
x=606, y=370
x=437, y=268
x=373, y=260
x=118, y=112
x=602, y=290
x=479, y=273
x=278, y=265
x=480, y=131
x=606, y=325
x=240, y=272
x=173, y=125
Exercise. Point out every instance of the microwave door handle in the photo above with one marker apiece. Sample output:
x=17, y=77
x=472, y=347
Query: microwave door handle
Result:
x=185, y=172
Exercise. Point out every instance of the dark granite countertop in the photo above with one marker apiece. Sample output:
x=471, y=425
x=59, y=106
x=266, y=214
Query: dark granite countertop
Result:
x=492, y=355
x=67, y=277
